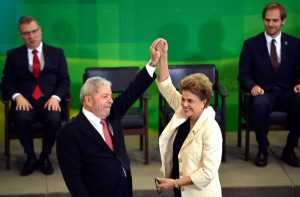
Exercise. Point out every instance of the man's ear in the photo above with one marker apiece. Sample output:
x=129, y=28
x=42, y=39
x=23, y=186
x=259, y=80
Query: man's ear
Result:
x=88, y=100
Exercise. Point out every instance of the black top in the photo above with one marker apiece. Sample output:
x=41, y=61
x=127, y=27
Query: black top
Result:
x=182, y=133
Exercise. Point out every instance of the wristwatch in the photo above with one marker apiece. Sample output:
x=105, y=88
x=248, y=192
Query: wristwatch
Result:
x=176, y=184
x=150, y=63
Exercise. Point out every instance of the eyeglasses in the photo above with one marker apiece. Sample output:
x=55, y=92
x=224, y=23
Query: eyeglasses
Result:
x=158, y=189
x=189, y=101
x=27, y=33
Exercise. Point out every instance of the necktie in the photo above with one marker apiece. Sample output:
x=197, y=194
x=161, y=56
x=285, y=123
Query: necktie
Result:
x=36, y=69
x=274, y=59
x=107, y=135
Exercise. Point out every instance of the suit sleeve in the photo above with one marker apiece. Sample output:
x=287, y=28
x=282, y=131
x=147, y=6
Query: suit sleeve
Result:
x=297, y=66
x=8, y=82
x=245, y=68
x=135, y=89
x=69, y=159
x=63, y=79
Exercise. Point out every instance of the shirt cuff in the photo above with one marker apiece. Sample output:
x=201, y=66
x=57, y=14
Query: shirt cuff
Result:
x=57, y=97
x=150, y=70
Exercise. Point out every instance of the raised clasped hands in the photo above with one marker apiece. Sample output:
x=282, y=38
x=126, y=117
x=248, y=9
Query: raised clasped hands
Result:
x=158, y=49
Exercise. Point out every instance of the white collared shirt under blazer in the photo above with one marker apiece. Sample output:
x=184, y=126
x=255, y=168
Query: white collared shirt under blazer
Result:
x=200, y=154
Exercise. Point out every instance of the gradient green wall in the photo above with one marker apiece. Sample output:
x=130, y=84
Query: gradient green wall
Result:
x=119, y=33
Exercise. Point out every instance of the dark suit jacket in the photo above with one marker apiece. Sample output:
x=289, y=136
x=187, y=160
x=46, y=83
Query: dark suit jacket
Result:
x=88, y=165
x=53, y=80
x=256, y=67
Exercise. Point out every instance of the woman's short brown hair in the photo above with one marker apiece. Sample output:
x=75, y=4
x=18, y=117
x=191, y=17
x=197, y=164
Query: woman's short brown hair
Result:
x=198, y=84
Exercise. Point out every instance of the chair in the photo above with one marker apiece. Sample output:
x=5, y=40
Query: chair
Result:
x=277, y=122
x=37, y=127
x=218, y=102
x=135, y=121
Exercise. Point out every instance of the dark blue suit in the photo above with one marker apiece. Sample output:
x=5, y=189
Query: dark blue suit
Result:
x=53, y=80
x=89, y=166
x=256, y=69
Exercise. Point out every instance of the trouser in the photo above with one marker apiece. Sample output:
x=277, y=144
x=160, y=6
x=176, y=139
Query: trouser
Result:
x=263, y=105
x=23, y=121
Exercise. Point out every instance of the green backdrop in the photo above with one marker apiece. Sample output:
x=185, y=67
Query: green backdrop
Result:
x=119, y=33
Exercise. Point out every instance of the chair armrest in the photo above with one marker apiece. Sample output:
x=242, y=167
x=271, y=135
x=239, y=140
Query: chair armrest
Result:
x=245, y=92
x=146, y=95
x=66, y=106
x=68, y=98
x=244, y=97
x=4, y=101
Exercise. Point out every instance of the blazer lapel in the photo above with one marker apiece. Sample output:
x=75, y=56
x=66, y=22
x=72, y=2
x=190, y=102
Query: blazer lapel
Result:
x=201, y=125
x=264, y=50
x=188, y=139
x=90, y=131
x=46, y=52
x=284, y=50
x=23, y=59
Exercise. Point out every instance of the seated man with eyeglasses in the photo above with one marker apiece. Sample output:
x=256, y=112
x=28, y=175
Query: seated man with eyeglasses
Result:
x=35, y=78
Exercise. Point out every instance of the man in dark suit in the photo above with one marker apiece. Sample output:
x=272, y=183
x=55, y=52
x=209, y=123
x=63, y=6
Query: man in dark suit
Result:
x=270, y=69
x=91, y=165
x=36, y=78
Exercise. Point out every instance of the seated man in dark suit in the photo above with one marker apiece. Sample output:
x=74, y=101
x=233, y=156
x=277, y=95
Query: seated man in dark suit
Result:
x=36, y=78
x=90, y=148
x=270, y=69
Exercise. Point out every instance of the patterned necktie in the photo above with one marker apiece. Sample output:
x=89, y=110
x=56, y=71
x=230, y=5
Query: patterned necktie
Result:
x=107, y=135
x=274, y=59
x=36, y=69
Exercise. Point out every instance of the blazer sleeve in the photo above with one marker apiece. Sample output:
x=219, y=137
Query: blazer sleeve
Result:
x=169, y=92
x=135, y=89
x=69, y=159
x=245, y=68
x=8, y=79
x=64, y=79
x=56, y=57
x=297, y=66
x=212, y=152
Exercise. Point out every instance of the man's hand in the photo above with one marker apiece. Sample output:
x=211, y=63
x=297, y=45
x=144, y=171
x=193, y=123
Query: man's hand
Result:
x=52, y=104
x=22, y=104
x=162, y=47
x=166, y=183
x=256, y=90
x=297, y=88
x=155, y=53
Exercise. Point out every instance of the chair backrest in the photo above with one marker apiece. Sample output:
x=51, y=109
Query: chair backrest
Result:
x=120, y=77
x=178, y=72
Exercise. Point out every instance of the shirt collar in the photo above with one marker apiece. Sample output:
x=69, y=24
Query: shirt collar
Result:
x=90, y=116
x=39, y=49
x=269, y=38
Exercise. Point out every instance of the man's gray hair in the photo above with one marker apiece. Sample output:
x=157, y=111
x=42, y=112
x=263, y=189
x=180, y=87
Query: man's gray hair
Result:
x=91, y=86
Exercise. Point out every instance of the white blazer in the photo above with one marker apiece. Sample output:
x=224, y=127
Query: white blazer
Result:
x=200, y=154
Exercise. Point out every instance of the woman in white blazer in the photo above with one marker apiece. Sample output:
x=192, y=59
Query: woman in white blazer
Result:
x=191, y=144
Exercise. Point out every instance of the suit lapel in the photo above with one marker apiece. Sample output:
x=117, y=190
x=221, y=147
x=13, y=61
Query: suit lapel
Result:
x=24, y=61
x=46, y=52
x=188, y=139
x=264, y=50
x=266, y=56
x=284, y=50
x=91, y=132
